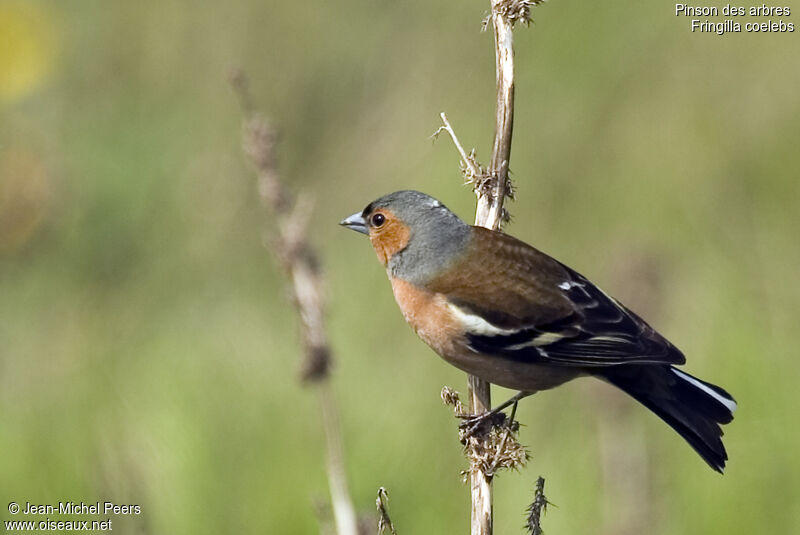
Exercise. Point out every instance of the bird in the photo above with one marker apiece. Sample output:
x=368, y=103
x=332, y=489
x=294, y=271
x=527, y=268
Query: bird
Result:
x=500, y=309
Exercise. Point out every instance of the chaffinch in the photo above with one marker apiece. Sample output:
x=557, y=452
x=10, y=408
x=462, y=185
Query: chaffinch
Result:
x=499, y=309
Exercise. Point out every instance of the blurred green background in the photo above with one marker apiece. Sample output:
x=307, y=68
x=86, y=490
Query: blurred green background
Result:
x=148, y=353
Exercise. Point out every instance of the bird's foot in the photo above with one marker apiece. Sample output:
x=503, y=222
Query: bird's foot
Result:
x=479, y=424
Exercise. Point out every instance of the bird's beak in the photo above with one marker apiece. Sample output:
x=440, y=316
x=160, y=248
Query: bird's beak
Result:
x=355, y=222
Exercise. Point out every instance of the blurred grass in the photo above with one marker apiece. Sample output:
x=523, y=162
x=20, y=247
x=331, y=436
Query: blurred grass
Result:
x=148, y=355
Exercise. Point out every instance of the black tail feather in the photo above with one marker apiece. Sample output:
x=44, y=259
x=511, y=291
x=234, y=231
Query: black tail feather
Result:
x=693, y=408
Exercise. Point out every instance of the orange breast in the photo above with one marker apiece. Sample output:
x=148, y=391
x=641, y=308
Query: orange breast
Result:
x=429, y=316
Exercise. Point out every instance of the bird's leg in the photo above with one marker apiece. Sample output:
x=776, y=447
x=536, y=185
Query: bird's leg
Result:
x=509, y=428
x=513, y=411
x=472, y=422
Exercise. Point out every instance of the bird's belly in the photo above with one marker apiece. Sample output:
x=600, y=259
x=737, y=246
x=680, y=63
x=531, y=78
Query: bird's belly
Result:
x=432, y=320
x=523, y=376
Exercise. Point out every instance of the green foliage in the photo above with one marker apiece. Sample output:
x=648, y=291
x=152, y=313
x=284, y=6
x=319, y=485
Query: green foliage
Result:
x=147, y=350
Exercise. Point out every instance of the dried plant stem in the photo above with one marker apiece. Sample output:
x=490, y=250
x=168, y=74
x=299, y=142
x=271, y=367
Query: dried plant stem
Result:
x=489, y=214
x=343, y=511
x=291, y=247
x=536, y=509
x=480, y=483
x=473, y=172
x=382, y=504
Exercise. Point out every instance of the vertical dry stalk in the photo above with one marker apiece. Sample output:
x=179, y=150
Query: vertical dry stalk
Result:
x=291, y=247
x=480, y=483
x=382, y=504
x=536, y=508
x=492, y=186
x=492, y=193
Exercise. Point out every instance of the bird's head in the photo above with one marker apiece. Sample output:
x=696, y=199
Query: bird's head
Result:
x=412, y=233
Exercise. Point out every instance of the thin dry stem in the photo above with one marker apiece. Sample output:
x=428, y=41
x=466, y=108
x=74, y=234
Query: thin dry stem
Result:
x=291, y=247
x=536, y=509
x=343, y=511
x=474, y=173
x=382, y=504
x=492, y=187
x=489, y=213
x=492, y=195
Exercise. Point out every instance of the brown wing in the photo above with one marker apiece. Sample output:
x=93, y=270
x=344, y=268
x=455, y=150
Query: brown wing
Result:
x=520, y=303
x=513, y=285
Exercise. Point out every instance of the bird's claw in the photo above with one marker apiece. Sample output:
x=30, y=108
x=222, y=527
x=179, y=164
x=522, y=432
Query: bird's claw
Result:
x=480, y=422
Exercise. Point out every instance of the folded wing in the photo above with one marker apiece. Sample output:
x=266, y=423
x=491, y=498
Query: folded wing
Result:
x=523, y=305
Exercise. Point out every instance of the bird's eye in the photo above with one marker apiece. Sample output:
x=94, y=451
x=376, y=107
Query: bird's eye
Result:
x=378, y=220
